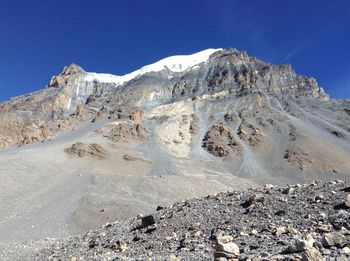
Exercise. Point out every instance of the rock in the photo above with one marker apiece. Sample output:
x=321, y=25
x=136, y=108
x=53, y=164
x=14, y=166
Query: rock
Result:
x=254, y=232
x=280, y=231
x=78, y=149
x=72, y=69
x=345, y=250
x=126, y=130
x=159, y=208
x=174, y=258
x=122, y=247
x=221, y=259
x=252, y=200
x=151, y=228
x=220, y=142
x=149, y=220
x=129, y=157
x=224, y=239
x=98, y=151
x=288, y=190
x=79, y=112
x=325, y=228
x=347, y=201
x=332, y=239
x=300, y=245
x=225, y=244
x=81, y=150
x=137, y=116
x=311, y=254
x=292, y=231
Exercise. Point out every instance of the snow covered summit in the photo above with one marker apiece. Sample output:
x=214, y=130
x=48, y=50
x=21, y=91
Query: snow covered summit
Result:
x=177, y=63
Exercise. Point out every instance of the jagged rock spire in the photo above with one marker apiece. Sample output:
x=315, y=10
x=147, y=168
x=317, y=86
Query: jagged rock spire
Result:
x=72, y=69
x=68, y=74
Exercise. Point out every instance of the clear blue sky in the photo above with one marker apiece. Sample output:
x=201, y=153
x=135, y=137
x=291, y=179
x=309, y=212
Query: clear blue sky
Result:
x=39, y=37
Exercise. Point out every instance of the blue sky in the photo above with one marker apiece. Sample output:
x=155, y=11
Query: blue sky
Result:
x=39, y=37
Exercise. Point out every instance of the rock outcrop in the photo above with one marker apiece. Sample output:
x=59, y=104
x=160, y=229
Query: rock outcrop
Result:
x=220, y=142
x=83, y=150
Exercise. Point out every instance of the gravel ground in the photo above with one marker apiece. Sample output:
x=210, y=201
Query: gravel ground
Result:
x=297, y=222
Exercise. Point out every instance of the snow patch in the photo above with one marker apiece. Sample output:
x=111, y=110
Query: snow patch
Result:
x=69, y=103
x=177, y=63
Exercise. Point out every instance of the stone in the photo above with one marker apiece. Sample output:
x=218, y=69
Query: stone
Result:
x=300, y=245
x=280, y=231
x=123, y=247
x=288, y=190
x=224, y=239
x=318, y=198
x=82, y=150
x=72, y=69
x=325, y=228
x=311, y=254
x=252, y=200
x=221, y=259
x=347, y=201
x=174, y=258
x=254, y=232
x=225, y=244
x=149, y=220
x=292, y=231
x=345, y=250
x=332, y=239
x=151, y=228
x=129, y=157
x=159, y=208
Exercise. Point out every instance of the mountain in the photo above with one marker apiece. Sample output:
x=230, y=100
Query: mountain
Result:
x=90, y=148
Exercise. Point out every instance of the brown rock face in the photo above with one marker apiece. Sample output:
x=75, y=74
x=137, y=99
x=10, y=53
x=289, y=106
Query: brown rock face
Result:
x=127, y=130
x=250, y=133
x=69, y=74
x=220, y=142
x=137, y=116
x=22, y=131
x=72, y=69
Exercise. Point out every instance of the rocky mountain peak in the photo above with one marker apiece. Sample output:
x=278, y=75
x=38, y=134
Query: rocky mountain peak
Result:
x=70, y=74
x=72, y=69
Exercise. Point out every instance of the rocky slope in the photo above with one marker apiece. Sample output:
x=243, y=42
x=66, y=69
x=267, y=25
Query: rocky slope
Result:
x=93, y=148
x=297, y=222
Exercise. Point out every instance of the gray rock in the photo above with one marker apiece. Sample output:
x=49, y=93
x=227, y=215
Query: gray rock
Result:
x=149, y=220
x=332, y=239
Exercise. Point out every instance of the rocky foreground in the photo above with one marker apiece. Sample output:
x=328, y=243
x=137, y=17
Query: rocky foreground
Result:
x=297, y=222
